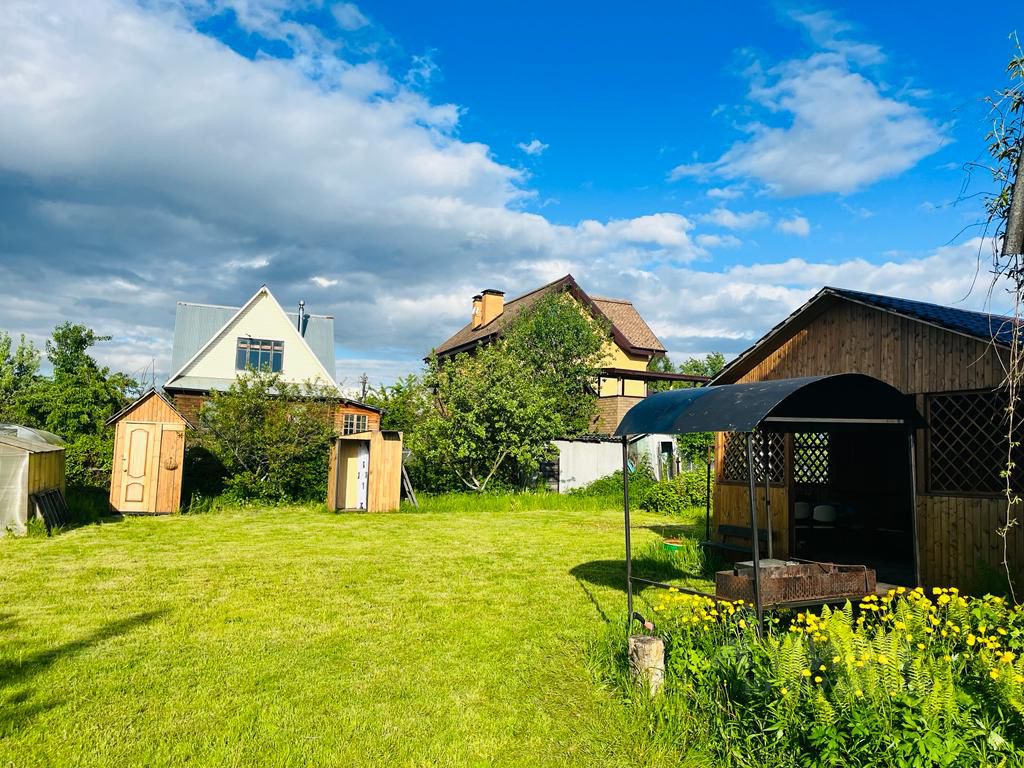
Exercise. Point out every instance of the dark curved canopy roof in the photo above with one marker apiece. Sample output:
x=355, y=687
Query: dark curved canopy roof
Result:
x=845, y=400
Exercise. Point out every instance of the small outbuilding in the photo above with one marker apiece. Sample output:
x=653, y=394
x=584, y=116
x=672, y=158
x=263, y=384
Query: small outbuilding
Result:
x=149, y=450
x=31, y=462
x=365, y=471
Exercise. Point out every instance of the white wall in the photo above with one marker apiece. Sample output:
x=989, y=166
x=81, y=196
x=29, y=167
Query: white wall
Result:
x=582, y=462
x=261, y=320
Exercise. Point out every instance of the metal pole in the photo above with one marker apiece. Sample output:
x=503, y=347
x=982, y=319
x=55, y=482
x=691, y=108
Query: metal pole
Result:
x=629, y=551
x=707, y=500
x=913, y=505
x=752, y=493
x=766, y=447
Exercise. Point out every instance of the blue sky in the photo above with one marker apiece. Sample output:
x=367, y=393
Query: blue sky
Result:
x=714, y=163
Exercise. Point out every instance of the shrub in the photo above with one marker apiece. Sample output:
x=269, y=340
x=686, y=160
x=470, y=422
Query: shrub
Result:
x=673, y=497
x=610, y=486
x=905, y=679
x=272, y=438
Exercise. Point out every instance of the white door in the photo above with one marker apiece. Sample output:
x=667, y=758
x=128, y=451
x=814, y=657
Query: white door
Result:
x=362, y=473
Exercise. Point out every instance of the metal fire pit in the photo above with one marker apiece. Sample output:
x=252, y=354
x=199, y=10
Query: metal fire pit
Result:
x=791, y=582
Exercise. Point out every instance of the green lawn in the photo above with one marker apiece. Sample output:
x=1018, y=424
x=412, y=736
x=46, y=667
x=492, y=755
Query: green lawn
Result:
x=305, y=638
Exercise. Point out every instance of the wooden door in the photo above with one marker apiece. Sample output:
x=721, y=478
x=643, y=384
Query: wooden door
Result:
x=140, y=460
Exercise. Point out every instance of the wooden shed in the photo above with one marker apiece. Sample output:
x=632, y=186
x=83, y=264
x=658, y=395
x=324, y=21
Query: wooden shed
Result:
x=365, y=472
x=149, y=450
x=842, y=495
x=27, y=466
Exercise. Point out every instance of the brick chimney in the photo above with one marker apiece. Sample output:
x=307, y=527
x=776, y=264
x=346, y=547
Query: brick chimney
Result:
x=492, y=304
x=478, y=302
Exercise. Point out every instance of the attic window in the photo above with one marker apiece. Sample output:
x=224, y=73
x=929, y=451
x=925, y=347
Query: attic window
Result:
x=259, y=354
x=354, y=423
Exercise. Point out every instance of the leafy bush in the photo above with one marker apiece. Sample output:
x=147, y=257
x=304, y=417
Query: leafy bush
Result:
x=610, y=486
x=675, y=496
x=271, y=436
x=905, y=679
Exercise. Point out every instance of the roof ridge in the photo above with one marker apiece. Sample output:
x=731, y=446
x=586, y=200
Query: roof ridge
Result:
x=609, y=299
x=541, y=288
x=235, y=309
x=853, y=291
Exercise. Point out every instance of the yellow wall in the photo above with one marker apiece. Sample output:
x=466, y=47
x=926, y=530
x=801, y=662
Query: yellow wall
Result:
x=263, y=319
x=616, y=357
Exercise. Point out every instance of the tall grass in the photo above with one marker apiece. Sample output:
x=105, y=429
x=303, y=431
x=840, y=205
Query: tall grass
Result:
x=526, y=501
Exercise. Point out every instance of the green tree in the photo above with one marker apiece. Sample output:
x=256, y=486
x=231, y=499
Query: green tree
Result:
x=404, y=403
x=693, y=446
x=563, y=348
x=490, y=418
x=19, y=372
x=76, y=402
x=271, y=436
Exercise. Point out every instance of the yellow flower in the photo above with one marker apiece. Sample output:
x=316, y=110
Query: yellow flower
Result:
x=883, y=659
x=836, y=659
x=947, y=657
x=994, y=674
x=785, y=691
x=806, y=673
x=858, y=693
x=822, y=668
x=817, y=678
x=850, y=658
x=743, y=624
x=860, y=663
x=971, y=640
x=1007, y=657
x=910, y=638
x=1001, y=631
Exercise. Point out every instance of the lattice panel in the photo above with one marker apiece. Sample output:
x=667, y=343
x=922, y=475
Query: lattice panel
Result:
x=734, y=461
x=967, y=443
x=811, y=457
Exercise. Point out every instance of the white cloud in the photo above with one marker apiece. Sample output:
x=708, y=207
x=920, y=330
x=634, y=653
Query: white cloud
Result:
x=825, y=127
x=726, y=193
x=349, y=17
x=534, y=148
x=142, y=163
x=718, y=241
x=723, y=217
x=798, y=225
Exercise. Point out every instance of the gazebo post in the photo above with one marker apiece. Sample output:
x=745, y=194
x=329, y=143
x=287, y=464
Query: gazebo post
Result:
x=707, y=498
x=629, y=550
x=913, y=504
x=752, y=489
x=767, y=490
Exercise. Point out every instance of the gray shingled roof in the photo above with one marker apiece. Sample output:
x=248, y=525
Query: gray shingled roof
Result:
x=195, y=324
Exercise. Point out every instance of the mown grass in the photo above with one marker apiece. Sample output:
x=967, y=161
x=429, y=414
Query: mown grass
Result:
x=459, y=635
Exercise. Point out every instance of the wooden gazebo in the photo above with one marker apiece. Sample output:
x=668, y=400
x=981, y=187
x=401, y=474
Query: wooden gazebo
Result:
x=842, y=402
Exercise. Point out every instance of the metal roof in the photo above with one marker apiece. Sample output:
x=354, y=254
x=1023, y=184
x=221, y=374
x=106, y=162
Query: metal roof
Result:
x=981, y=325
x=196, y=324
x=782, y=405
x=977, y=325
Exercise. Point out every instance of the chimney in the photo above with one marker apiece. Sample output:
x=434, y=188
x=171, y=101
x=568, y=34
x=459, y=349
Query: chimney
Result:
x=492, y=304
x=478, y=301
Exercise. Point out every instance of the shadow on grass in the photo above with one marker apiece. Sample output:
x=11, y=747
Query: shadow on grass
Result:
x=18, y=707
x=612, y=573
x=692, y=531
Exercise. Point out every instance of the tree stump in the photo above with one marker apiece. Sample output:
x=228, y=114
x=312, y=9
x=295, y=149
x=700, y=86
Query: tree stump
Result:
x=647, y=661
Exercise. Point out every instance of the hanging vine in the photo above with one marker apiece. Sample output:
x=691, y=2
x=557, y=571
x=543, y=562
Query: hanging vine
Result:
x=1005, y=223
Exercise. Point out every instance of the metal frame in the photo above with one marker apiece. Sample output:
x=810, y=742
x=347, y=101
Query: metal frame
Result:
x=752, y=496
